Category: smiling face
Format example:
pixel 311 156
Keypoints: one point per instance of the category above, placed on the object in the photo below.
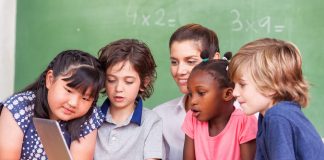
pixel 184 55
pixel 205 96
pixel 250 99
pixel 65 102
pixel 122 85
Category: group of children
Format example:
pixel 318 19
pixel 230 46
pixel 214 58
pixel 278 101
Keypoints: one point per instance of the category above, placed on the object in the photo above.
pixel 264 76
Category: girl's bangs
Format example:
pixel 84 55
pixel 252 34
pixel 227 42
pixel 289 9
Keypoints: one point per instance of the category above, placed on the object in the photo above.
pixel 83 79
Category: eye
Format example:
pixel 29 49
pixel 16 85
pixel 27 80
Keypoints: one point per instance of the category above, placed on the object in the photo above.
pixel 173 62
pixel 241 84
pixel 68 90
pixel 201 93
pixel 192 62
pixel 129 82
pixel 110 80
pixel 87 98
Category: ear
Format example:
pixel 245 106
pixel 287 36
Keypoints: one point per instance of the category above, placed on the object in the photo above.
pixel 270 93
pixel 217 55
pixel 146 82
pixel 227 94
pixel 49 79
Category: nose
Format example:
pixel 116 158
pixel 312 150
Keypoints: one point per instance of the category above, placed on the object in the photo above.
pixel 193 100
pixel 74 100
pixel 183 69
pixel 235 91
pixel 119 87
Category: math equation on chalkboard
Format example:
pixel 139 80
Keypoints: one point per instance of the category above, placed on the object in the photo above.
pixel 159 17
pixel 156 17
pixel 263 24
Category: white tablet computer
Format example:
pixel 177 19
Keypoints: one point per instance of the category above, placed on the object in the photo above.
pixel 52 139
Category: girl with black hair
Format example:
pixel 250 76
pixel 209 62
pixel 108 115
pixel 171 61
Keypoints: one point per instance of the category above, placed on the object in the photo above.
pixel 214 128
pixel 67 91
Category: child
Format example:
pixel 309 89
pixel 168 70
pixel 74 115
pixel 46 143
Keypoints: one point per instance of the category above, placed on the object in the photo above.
pixel 268 79
pixel 185 44
pixel 129 131
pixel 66 91
pixel 214 128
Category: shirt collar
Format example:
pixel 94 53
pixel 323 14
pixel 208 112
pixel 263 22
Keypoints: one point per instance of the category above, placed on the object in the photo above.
pixel 137 115
pixel 181 103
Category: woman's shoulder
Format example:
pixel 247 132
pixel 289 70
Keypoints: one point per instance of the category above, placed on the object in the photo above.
pixel 150 115
pixel 169 105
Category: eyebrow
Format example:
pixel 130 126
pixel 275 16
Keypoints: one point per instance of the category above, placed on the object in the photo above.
pixel 198 57
pixel 129 77
pixel 241 80
pixel 186 57
pixel 87 95
pixel 126 77
pixel 200 86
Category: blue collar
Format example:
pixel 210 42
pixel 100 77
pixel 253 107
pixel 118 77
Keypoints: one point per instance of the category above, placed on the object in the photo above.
pixel 137 115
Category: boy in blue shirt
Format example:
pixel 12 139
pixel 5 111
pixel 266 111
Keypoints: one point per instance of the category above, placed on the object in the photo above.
pixel 268 79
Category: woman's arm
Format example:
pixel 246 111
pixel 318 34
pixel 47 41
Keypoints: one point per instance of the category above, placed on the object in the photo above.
pixel 84 148
pixel 248 150
pixel 11 136
pixel 189 149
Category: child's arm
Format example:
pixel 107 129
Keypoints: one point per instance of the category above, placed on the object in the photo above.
pixel 11 136
pixel 248 150
pixel 84 148
pixel 189 149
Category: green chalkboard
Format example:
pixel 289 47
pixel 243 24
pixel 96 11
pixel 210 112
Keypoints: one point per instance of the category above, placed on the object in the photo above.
pixel 45 28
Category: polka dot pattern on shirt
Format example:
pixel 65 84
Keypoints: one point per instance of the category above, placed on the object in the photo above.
pixel 22 105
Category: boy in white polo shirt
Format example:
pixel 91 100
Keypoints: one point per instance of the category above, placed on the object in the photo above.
pixel 129 130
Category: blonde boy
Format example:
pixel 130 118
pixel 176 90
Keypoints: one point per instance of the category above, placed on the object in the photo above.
pixel 268 79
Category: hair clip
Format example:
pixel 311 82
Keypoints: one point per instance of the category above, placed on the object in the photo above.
pixel 204 56
pixel 205 60
pixel 226 68
pixel 224 58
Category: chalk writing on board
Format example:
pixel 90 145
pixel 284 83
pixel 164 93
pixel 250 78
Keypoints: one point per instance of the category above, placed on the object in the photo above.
pixel 157 18
pixel 263 24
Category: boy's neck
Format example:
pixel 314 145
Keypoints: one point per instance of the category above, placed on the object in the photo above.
pixel 121 115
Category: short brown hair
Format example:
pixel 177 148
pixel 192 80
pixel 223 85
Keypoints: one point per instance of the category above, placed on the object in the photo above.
pixel 274 65
pixel 140 57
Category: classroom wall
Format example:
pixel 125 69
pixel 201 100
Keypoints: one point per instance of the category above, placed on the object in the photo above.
pixel 7 47
pixel 45 28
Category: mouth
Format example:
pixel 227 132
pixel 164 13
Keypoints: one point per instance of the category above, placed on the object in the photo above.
pixel 182 82
pixel 195 112
pixel 118 98
pixel 68 111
